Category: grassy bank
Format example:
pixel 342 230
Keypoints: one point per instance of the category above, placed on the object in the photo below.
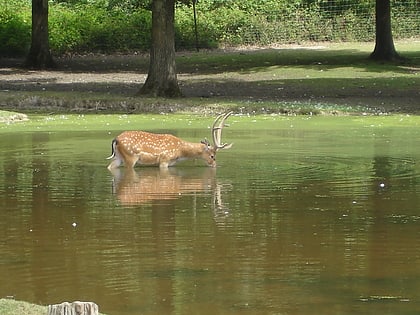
pixel 13 307
pixel 306 79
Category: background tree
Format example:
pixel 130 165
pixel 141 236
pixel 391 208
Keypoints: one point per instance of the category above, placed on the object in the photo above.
pixel 384 47
pixel 39 56
pixel 162 78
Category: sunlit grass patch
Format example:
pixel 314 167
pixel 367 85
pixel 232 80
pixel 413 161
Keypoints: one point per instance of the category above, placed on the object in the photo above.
pixel 11 117
pixel 13 307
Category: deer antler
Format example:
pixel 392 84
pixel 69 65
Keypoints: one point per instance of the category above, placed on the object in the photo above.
pixel 217 129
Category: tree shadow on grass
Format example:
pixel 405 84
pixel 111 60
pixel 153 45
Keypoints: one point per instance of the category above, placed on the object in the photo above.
pixel 214 62
pixel 261 60
pixel 378 93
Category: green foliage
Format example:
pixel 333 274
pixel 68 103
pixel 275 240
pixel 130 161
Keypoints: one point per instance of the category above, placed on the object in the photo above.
pixel 15 29
pixel 214 27
pixel 79 26
pixel 94 28
pixel 64 29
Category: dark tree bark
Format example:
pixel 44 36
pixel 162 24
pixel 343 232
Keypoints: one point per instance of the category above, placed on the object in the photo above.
pixel 384 47
pixel 39 56
pixel 162 79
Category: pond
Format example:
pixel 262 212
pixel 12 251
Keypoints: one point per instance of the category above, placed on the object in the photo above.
pixel 303 215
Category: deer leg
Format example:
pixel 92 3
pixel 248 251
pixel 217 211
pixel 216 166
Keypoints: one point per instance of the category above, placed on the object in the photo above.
pixel 163 165
pixel 131 161
pixel 115 163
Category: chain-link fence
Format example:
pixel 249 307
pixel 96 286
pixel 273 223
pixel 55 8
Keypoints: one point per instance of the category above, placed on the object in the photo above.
pixel 95 27
pixel 322 20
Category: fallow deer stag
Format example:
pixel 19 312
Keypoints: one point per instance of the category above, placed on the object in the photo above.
pixel 145 148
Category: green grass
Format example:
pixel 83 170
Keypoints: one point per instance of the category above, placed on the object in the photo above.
pixel 13 307
pixel 332 61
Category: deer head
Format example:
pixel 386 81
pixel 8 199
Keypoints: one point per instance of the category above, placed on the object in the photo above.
pixel 140 147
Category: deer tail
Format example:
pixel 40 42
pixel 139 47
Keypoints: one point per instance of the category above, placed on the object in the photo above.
pixel 113 145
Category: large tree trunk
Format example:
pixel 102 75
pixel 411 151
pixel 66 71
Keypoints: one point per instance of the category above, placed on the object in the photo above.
pixel 74 308
pixel 384 47
pixel 39 56
pixel 162 80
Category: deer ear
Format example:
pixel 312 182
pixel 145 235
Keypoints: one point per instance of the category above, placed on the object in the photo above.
pixel 206 142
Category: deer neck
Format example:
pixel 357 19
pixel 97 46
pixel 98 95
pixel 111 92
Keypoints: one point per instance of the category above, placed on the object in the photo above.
pixel 190 150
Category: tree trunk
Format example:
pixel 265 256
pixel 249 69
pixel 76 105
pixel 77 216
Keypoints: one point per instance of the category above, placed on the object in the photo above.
pixel 74 308
pixel 39 56
pixel 384 47
pixel 162 80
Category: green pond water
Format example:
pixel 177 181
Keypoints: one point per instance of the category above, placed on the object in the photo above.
pixel 304 215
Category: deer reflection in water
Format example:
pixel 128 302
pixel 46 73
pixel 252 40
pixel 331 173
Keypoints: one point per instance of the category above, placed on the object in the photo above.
pixel 150 185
